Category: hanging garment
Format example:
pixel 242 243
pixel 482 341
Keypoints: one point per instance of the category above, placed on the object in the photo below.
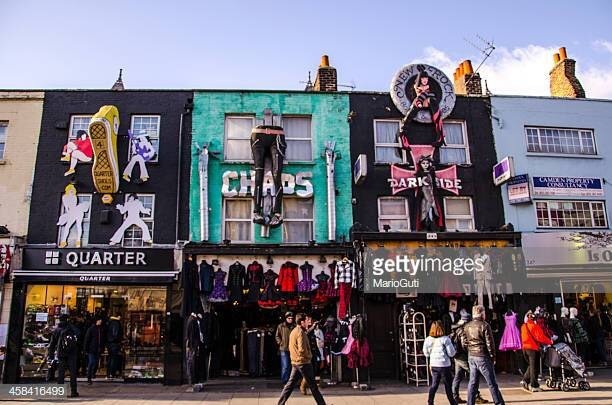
pixel 332 292
pixel 321 296
pixel 207 275
pixel 288 278
pixel 345 273
pixel 320 339
pixel 219 292
pixel 341 338
pixel 511 339
pixel 360 354
pixel 190 284
pixel 255 279
pixel 236 282
pixel 349 341
pixel 345 299
pixel 193 345
pixel 307 284
pixel 269 298
pixel 358 327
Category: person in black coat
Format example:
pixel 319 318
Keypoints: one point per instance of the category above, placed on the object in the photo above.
pixel 66 357
pixel 114 338
pixel 95 340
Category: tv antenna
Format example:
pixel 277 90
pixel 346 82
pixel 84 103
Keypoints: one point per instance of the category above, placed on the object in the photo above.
pixel 351 86
pixel 485 47
pixel 308 84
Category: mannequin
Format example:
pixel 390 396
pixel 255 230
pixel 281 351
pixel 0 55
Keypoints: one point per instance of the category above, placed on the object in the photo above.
pixel 344 282
pixel 578 334
pixel 483 279
pixel 565 326
pixel 307 284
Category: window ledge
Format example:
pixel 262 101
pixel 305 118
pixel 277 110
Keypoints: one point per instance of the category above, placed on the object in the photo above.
pixel 563 155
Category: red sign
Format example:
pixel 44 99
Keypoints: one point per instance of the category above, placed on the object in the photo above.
pixel 403 179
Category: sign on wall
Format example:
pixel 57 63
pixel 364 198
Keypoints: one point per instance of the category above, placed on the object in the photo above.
pixel 360 169
pixel 567 186
pixel 503 170
pixel 298 184
pixel 518 189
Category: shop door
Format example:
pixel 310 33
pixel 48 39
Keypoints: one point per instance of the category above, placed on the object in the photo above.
pixel 382 336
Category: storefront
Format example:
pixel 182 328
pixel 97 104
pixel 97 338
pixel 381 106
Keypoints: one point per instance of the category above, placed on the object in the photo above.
pixel 132 285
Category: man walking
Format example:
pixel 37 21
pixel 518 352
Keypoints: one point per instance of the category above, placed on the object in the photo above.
pixel 462 367
pixel 301 357
pixel 94 346
pixel 282 340
pixel 478 340
pixel 114 337
pixel 64 346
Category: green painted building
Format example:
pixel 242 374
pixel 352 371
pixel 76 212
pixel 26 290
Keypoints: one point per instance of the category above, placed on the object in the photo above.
pixel 222 121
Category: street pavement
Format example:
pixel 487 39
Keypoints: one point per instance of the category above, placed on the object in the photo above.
pixel 242 391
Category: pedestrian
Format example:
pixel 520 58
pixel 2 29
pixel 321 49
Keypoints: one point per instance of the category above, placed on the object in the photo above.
pixel 532 337
pixel 282 340
pixel 480 345
pixel 310 328
pixel 93 344
pixel 439 349
pixel 114 337
pixel 64 347
pixel 462 367
pixel 597 332
pixel 301 365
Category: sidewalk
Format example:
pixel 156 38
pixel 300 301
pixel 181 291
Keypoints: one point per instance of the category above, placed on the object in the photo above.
pixel 265 392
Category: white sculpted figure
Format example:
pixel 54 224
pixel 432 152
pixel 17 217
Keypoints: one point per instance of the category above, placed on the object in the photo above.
pixel 73 215
pixel 133 207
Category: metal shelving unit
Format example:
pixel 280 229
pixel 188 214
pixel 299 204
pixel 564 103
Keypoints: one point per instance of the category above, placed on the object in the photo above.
pixel 412 332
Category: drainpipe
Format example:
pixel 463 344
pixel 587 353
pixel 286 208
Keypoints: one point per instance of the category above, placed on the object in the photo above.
pixel 203 172
pixel 330 159
pixel 178 176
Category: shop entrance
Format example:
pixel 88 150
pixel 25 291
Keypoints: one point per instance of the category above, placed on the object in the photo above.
pixel 140 310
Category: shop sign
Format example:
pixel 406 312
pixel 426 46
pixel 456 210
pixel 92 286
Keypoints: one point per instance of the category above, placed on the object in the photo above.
pixel 518 189
pixel 503 170
pixel 579 250
pixel 98 259
pixel 403 179
pixel 360 169
pixel 567 186
pixel 298 184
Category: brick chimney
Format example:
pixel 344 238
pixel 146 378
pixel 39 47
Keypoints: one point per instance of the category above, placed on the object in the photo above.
pixel 327 79
pixel 563 80
pixel 466 81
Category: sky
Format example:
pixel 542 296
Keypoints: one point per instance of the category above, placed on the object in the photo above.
pixel 190 44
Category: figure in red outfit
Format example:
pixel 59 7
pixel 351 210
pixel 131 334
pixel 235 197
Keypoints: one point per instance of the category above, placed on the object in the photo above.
pixel 76 151
pixel 429 213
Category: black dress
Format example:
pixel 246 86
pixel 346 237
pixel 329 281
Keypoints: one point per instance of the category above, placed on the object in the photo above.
pixel 236 282
pixel 255 278
pixel 206 278
pixel 270 297
pixel 190 284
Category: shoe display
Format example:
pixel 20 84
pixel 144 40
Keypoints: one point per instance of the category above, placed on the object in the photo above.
pixel 69 172
pixel 276 220
pixel 103 129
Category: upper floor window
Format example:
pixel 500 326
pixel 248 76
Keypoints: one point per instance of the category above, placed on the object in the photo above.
pixel 146 125
pixel 386 147
pixel 298 135
pixel 69 233
pixel 393 214
pixel 237 219
pixel 298 221
pixel 456 150
pixel 133 236
pixel 3 130
pixel 238 138
pixel 571 214
pixel 459 214
pixel 559 140
pixel 78 123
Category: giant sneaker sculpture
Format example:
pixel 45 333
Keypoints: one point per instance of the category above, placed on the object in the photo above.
pixel 103 129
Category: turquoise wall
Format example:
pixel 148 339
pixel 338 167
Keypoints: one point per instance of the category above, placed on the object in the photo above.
pixel 329 113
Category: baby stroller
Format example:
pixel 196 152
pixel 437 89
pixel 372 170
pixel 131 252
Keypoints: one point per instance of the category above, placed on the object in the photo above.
pixel 566 369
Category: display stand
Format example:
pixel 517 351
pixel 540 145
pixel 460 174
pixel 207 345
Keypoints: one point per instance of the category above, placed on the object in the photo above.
pixel 412 336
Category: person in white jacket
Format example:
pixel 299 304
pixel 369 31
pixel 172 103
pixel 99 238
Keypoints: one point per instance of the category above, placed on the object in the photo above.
pixel 439 350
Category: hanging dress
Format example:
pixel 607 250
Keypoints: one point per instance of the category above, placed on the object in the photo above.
pixel 269 298
pixel 320 296
pixel 332 292
pixel 219 292
pixel 511 339
pixel 236 282
pixel 255 279
pixel 307 284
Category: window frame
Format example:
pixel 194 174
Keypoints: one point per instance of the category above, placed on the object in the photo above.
pixel 250 220
pixel 404 157
pixel 150 219
pixel 226 137
pixel 540 147
pixel 287 140
pixel 466 144
pixel 150 139
pixel 86 219
pixel 4 124
pixel 393 217
pixel 550 219
pixel 458 217
pixel 311 221
pixel 71 125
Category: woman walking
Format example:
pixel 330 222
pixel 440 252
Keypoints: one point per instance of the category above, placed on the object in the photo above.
pixel 439 349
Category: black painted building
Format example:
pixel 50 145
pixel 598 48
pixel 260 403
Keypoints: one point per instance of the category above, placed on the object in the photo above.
pixel 114 269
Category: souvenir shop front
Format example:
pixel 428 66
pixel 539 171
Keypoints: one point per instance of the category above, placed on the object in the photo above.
pixel 239 295
pixel 131 285
pixel 397 334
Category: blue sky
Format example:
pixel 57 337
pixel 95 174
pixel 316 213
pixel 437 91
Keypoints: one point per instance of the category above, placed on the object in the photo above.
pixel 273 44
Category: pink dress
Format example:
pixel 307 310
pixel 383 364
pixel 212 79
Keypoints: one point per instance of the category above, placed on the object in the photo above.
pixel 511 339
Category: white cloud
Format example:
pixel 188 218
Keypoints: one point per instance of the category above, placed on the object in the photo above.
pixel 603 45
pixel 525 71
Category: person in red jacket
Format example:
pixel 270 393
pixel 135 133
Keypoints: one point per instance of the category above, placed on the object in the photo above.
pixel 532 337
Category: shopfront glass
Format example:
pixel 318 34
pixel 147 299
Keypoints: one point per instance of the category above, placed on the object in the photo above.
pixel 141 311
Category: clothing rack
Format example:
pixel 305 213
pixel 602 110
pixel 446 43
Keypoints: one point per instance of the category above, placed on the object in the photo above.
pixel 413 330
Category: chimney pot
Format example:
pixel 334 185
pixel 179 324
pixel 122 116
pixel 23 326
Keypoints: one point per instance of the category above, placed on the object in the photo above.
pixel 556 58
pixel 563 53
pixel 468 67
pixel 461 70
pixel 324 61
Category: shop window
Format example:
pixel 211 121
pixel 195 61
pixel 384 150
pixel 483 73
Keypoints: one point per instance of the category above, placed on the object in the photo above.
pixel 77 123
pixel 386 147
pixel 298 220
pixel 393 214
pixel 459 214
pixel 3 130
pixel 571 214
pixel 237 221
pixel 149 126
pixel 72 236
pixel 133 235
pixel 238 138
pixel 561 140
pixel 456 150
pixel 298 135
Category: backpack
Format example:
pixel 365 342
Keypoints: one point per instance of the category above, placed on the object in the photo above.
pixel 67 343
